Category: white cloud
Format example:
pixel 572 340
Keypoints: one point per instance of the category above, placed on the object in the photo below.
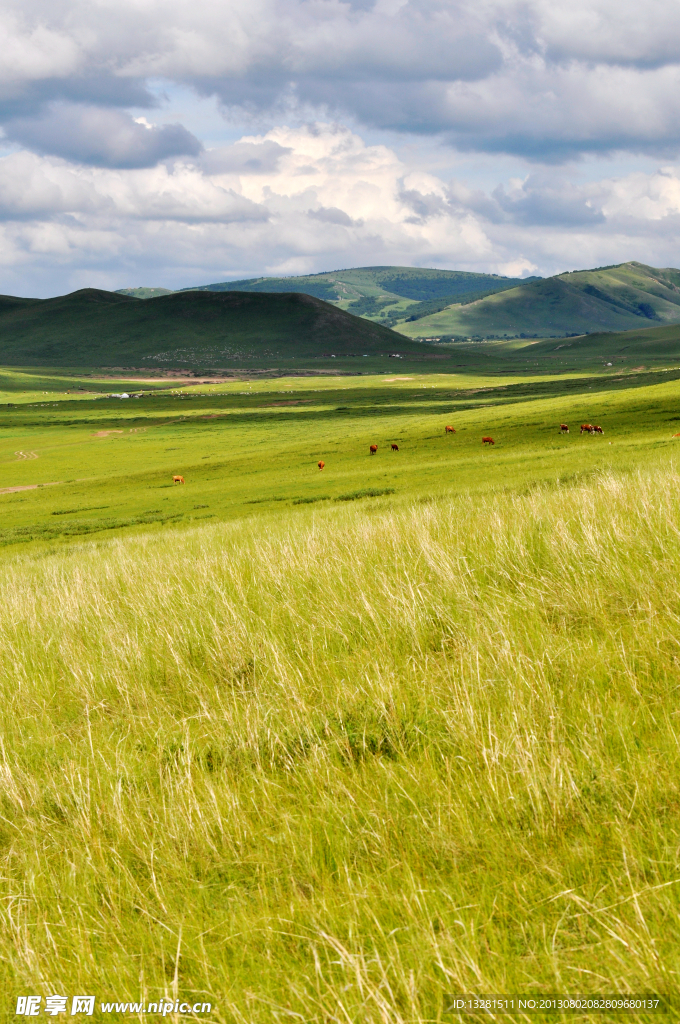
pixel 311 198
pixel 104 186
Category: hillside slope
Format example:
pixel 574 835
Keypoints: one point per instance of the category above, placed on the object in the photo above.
pixel 651 347
pixel 144 293
pixel 187 329
pixel 378 293
pixel 619 298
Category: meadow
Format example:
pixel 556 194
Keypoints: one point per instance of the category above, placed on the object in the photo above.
pixel 90 464
pixel 326 746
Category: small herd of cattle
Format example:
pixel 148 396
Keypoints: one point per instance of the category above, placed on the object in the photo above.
pixel 586 428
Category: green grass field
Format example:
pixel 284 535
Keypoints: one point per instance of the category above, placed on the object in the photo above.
pixel 250 446
pixel 324 746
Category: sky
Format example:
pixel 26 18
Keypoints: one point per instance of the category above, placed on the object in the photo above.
pixel 169 143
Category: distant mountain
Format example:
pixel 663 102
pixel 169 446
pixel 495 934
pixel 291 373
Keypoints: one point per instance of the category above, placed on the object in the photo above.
pixel 383 294
pixel 193 329
pixel 274 321
pixel 625 297
pixel 144 293
pixel 440 304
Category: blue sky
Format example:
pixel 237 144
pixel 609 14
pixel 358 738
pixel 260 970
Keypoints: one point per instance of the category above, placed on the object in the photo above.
pixel 159 142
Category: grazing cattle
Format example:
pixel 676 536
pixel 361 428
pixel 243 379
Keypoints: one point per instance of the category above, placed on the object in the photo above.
pixel 321 464
pixel 586 428
pixel 178 479
pixel 597 430
pixel 488 440
pixel 449 430
pixel 676 435
pixel 373 449
pixel 564 429
pixel 395 447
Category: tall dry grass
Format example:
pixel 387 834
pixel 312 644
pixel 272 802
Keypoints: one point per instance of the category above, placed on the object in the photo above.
pixel 331 771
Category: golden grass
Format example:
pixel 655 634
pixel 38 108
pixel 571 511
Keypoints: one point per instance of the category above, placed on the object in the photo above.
pixel 328 766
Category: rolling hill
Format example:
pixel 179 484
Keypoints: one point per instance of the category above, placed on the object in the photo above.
pixel 440 304
pixel 653 346
pixel 184 329
pixel 619 298
pixel 384 294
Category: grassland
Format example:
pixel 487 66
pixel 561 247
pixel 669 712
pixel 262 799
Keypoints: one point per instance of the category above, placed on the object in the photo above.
pixel 324 746
pixel 247 446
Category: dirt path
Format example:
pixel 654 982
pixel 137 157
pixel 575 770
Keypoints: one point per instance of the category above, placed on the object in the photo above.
pixel 29 487
pixel 173 381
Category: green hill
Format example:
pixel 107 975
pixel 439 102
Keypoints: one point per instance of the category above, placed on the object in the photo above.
pixel 144 293
pixel 433 304
pixel 386 294
pixel 619 298
pixel 652 347
pixel 186 329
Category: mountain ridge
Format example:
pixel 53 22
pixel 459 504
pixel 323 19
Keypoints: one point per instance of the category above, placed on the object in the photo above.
pixel 383 294
pixel 431 304
pixel 625 296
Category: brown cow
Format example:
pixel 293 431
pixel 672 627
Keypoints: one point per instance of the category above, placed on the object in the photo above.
pixel 597 430
pixel 373 449
pixel 488 440
pixel 449 430
pixel 395 447
pixel 564 429
pixel 586 428
pixel 178 479
pixel 321 464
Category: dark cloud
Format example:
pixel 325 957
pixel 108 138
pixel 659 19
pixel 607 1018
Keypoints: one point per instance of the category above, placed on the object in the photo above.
pixel 424 205
pixel 98 88
pixel 548 202
pixel 539 201
pixel 244 158
pixel 100 137
pixel 530 77
pixel 332 215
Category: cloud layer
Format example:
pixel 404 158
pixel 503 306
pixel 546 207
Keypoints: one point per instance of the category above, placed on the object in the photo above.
pixel 529 77
pixel 102 137
pixel 91 190
pixel 297 200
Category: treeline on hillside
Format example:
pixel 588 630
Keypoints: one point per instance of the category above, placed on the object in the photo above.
pixel 445 284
